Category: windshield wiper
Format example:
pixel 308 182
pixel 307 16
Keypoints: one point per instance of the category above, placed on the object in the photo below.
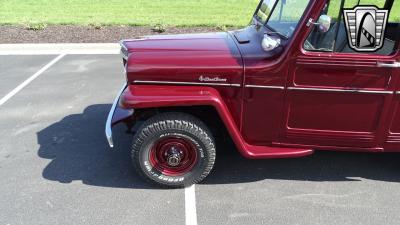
pixel 278 33
pixel 273 31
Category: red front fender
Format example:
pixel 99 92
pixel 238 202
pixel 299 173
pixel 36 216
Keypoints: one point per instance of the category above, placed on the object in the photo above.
pixel 156 96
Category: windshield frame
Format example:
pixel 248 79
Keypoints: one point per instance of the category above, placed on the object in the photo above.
pixel 265 24
pixel 255 17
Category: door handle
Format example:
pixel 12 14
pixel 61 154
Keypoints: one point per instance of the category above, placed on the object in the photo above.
pixel 389 65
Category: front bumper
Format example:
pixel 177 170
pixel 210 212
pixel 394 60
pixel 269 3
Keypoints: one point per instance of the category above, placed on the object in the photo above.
pixel 116 114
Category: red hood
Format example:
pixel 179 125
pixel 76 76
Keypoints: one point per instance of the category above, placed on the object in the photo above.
pixel 207 58
pixel 182 42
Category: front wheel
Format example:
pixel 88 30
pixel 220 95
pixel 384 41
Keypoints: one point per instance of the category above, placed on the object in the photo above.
pixel 173 149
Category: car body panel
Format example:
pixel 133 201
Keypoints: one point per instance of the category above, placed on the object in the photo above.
pixel 274 104
pixel 391 135
pixel 189 60
pixel 338 100
pixel 156 96
pixel 343 106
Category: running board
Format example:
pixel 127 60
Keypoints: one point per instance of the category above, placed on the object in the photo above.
pixel 265 152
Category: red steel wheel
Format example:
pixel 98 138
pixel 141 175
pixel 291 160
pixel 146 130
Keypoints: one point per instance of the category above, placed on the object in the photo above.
pixel 173 156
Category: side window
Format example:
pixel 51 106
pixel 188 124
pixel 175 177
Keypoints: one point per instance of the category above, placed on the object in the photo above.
pixel 352 3
pixel 324 42
pixel 393 27
pixel 389 43
pixel 394 16
pixel 338 42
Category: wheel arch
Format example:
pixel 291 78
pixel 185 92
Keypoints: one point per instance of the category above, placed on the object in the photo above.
pixel 205 113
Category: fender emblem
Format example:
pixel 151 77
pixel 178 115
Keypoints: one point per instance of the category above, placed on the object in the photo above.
pixel 214 79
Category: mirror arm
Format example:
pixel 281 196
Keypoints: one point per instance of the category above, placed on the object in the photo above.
pixel 311 21
pixel 324 23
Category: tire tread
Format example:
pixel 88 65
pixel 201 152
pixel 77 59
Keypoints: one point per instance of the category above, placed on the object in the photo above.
pixel 174 121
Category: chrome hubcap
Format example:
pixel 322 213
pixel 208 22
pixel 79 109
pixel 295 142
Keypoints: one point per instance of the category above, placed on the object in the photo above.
pixel 174 157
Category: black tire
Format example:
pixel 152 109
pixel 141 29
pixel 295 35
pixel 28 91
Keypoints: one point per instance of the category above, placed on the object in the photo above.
pixel 173 125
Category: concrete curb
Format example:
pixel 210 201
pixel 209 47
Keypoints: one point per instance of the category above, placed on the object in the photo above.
pixel 57 49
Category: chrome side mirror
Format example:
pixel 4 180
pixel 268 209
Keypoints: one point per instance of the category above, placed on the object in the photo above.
pixel 269 43
pixel 324 23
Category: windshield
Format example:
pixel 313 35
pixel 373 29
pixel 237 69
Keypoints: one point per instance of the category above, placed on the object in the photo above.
pixel 265 10
pixel 281 16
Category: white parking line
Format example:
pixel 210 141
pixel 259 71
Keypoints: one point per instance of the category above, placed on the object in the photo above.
pixel 29 80
pixel 190 205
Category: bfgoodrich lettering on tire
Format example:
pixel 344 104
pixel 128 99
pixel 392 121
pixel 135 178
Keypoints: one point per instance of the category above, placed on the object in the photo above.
pixel 173 149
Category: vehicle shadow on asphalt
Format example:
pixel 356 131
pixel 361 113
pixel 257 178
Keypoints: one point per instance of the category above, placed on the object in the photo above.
pixel 231 167
pixel 78 151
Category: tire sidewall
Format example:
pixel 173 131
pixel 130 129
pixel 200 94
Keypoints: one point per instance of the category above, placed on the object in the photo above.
pixel 187 178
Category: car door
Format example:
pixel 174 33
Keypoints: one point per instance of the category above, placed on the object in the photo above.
pixel 392 136
pixel 337 96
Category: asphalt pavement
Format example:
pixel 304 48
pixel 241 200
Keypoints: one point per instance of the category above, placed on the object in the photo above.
pixel 56 166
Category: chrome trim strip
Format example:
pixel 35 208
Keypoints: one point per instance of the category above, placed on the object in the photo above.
pixel 108 128
pixel 121 43
pixel 185 83
pixel 397 92
pixel 265 87
pixel 121 52
pixel 389 65
pixel 123 55
pixel 340 90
